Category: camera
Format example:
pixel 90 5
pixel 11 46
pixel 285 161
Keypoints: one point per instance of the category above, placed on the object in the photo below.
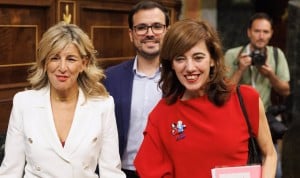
pixel 258 57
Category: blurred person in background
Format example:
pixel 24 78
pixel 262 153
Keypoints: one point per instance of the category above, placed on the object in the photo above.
pixel 255 64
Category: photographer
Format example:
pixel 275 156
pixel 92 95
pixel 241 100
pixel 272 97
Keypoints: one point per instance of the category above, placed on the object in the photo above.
pixel 260 65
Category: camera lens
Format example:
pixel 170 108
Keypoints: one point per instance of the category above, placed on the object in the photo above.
pixel 258 58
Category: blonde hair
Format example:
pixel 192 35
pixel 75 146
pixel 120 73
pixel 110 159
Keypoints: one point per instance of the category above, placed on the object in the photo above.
pixel 53 41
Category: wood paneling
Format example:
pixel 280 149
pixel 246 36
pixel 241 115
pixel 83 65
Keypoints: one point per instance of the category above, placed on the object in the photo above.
pixel 14 40
pixel 108 29
pixel 22 24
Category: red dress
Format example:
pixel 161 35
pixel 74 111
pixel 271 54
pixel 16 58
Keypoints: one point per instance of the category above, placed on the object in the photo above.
pixel 211 136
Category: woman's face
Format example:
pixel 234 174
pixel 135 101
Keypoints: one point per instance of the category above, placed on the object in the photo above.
pixel 192 69
pixel 63 69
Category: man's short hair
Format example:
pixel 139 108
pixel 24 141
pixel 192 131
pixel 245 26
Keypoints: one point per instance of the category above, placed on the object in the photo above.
pixel 260 15
pixel 145 5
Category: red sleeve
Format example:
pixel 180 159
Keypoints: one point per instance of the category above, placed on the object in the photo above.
pixel 251 100
pixel 152 160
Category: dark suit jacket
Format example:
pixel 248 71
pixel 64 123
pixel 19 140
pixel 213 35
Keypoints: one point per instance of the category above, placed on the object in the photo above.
pixel 118 82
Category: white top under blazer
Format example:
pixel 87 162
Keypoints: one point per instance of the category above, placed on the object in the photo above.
pixel 32 141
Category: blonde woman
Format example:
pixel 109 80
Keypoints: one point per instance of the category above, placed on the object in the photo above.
pixel 65 125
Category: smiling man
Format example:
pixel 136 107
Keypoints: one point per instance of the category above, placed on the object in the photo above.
pixel 134 83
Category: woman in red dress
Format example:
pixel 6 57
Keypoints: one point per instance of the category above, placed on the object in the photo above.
pixel 199 124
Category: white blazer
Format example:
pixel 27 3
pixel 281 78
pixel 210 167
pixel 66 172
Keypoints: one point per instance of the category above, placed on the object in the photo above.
pixel 32 140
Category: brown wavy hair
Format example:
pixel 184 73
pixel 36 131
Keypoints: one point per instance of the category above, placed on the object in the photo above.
pixel 180 38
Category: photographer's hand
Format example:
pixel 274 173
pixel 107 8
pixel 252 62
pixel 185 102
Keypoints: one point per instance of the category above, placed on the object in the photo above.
pixel 244 62
pixel 266 70
pixel 280 86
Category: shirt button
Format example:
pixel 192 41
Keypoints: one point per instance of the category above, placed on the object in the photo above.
pixel 85 166
pixel 95 139
pixel 38 168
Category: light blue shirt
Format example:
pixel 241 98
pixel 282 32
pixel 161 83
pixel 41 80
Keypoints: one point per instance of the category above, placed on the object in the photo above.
pixel 145 95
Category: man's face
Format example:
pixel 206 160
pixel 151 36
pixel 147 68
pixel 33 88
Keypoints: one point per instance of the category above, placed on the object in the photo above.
pixel 148 45
pixel 260 33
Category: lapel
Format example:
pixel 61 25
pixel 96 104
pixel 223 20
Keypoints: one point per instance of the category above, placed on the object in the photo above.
pixel 119 84
pixel 80 126
pixel 127 91
pixel 126 94
pixel 46 122
pixel 78 129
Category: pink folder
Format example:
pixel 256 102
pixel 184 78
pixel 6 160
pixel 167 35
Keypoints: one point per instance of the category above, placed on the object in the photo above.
pixel 250 171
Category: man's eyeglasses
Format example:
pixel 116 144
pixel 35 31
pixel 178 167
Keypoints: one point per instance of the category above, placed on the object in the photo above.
pixel 156 28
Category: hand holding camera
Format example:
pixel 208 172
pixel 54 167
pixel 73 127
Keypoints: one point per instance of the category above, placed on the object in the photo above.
pixel 258 57
pixel 244 61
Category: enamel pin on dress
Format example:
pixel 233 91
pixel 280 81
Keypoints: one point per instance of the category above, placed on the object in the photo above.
pixel 178 130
